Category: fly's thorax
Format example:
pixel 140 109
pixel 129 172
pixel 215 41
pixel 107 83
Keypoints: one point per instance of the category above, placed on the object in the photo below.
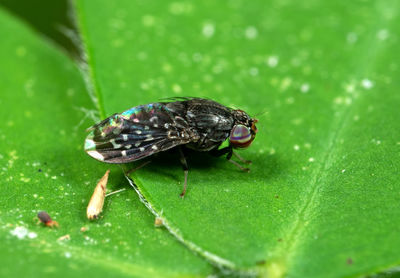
pixel 241 117
pixel 243 131
pixel 208 118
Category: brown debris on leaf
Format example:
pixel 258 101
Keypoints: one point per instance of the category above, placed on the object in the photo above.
pixel 96 203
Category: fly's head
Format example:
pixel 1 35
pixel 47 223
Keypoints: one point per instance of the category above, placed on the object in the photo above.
pixel 244 130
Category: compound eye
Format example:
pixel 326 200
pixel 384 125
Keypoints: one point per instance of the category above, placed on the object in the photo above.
pixel 240 136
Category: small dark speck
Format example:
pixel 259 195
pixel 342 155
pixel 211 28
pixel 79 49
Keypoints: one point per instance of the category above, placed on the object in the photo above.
pixel 280 240
pixel 45 163
pixel 44 216
pixel 261 262
pixel 276 197
pixel 349 261
pixel 39 170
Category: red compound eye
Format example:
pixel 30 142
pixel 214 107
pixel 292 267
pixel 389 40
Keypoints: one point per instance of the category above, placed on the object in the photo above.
pixel 241 136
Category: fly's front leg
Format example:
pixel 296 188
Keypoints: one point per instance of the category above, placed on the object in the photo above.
pixel 229 151
pixel 229 158
pixel 242 159
pixel 185 170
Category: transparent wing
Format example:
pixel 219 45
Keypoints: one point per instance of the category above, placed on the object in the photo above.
pixel 136 133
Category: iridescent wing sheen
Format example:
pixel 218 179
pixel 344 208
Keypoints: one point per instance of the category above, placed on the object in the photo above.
pixel 136 133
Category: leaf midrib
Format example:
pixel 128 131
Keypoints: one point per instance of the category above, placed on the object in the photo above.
pixel 117 266
pixel 283 255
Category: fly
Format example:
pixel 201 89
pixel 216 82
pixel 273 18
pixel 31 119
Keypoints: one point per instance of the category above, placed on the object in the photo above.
pixel 195 123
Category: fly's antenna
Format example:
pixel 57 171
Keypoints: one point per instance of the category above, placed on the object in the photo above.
pixel 263 112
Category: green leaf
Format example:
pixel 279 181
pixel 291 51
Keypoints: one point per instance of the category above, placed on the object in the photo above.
pixel 322 197
pixel 44 112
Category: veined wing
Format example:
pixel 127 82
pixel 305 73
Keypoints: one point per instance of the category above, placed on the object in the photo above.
pixel 137 133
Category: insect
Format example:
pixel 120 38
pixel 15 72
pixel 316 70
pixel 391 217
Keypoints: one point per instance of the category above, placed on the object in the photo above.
pixel 194 123
pixel 45 218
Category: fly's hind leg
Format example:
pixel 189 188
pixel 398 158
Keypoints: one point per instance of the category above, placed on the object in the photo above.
pixel 128 172
pixel 185 170
pixel 229 151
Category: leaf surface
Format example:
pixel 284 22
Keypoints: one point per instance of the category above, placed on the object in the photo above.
pixel 45 110
pixel 323 193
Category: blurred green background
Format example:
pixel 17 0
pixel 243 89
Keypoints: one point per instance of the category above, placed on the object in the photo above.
pixel 51 19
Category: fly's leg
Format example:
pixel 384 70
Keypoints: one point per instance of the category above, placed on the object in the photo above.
pixel 221 152
pixel 127 173
pixel 229 158
pixel 242 159
pixel 229 151
pixel 185 170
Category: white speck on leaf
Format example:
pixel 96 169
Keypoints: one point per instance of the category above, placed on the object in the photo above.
pixel 142 56
pixel 148 20
pixel 305 88
pixel 144 86
pixel 272 61
pixel 286 82
pixel 117 43
pixel 208 30
pixel 367 84
pixel 351 37
pixel 176 88
pixel 253 71
pixel 32 235
pixel 22 232
pixel 382 34
pixel 167 67
pixel 251 32
pixel 375 141
pixel 297 121
pixel 29 87
pixel 23 179
pixel 343 100
pixel 350 87
pixel 348 100
pixel 197 57
pixel 117 23
pixel 290 100
pixel 178 8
